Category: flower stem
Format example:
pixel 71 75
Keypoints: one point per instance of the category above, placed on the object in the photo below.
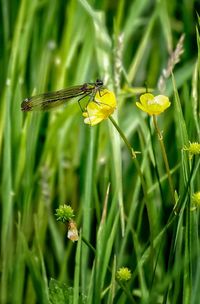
pixel 164 154
pixel 124 287
pixel 133 155
pixel 142 180
pixel 131 151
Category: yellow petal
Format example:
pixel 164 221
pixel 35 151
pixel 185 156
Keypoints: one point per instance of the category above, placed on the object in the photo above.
pixel 153 105
pixel 92 121
pixel 140 106
pixel 145 98
pixel 103 106
pixel 106 98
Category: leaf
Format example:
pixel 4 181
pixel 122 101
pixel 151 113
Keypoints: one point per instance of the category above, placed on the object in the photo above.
pixel 60 293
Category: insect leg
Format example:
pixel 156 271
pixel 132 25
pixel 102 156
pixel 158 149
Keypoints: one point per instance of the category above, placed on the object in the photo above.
pixel 101 95
pixel 86 94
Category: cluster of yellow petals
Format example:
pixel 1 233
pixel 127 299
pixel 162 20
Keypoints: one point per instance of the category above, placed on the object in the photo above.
pixel 123 274
pixel 153 105
pixel 193 148
pixel 103 105
pixel 196 199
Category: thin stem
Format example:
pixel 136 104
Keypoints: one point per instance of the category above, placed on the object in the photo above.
pixel 124 287
pixel 164 154
pixel 142 180
pixel 131 151
pixel 133 155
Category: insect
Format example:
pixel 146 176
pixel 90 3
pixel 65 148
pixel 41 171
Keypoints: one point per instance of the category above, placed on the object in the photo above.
pixel 47 101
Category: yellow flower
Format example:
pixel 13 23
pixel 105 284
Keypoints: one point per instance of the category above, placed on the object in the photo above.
pixel 196 199
pixel 153 105
pixel 193 149
pixel 102 107
pixel 123 274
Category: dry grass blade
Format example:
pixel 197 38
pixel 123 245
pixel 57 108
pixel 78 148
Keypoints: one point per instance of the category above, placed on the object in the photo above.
pixel 172 61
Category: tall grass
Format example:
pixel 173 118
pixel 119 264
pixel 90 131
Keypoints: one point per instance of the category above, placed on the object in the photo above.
pixel 48 159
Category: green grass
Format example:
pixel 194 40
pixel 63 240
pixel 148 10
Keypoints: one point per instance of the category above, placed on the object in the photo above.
pixel 124 208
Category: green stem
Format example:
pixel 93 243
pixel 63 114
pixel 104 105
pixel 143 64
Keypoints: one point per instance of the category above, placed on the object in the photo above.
pixel 133 155
pixel 164 154
pixel 142 180
pixel 124 287
pixel 131 151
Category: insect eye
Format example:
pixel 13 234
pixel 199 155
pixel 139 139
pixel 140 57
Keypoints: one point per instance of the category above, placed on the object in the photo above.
pixel 99 82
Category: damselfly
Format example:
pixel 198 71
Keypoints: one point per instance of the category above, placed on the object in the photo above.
pixel 47 101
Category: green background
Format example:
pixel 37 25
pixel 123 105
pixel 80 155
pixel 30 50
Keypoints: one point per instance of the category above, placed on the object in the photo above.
pixel 48 159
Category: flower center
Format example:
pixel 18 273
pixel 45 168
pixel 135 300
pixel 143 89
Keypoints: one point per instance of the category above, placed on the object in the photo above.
pixel 155 100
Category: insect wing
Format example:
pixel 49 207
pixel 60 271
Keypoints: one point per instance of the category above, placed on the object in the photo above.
pixel 47 101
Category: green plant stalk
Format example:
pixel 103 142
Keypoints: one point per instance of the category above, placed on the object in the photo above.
pixel 164 154
pixel 133 156
pixel 130 149
pixel 123 286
